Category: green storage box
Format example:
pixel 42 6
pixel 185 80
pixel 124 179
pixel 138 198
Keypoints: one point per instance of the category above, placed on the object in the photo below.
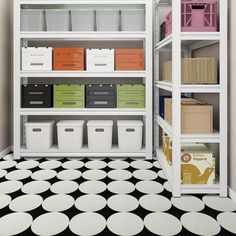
pixel 69 96
pixel 131 96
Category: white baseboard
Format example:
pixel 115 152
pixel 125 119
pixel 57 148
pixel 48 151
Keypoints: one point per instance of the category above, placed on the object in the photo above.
pixel 232 194
pixel 5 152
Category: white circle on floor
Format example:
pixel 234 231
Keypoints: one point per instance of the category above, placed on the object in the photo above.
pixel 33 158
pixel 50 165
pixel 119 174
pixel 18 175
pixel 157 164
pixel 50 224
pixel 27 165
pixel 75 158
pixel 90 203
pixel 2 173
pixel 149 187
pixel 10 186
pixel 94 174
pixel 36 187
pixel 141 164
pixel 26 203
pixel 8 157
pixel 44 174
pixel 15 223
pixel 162 174
pixel 200 224
pixel 219 204
pixel 64 187
pixel 167 186
pixel 118 164
pixel 121 187
pixel 188 203
pixel 58 203
pixel 73 165
pixel 4 200
pixel 92 187
pixel 117 158
pixel 155 203
pixel 54 158
pixel 87 224
pixel 95 164
pixel 122 203
pixel 227 221
pixel 69 175
pixel 96 158
pixel 7 164
pixel 161 223
pixel 145 174
pixel 124 223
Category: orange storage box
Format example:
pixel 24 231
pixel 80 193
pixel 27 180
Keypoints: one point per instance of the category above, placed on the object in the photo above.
pixel 129 59
pixel 69 58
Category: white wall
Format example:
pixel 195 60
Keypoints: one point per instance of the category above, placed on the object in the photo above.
pixel 5 74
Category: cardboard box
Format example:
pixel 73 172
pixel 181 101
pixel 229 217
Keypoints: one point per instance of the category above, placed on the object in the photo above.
pixel 69 58
pixel 196 116
pixel 129 59
pixel 167 148
pixel 197 165
pixel 194 71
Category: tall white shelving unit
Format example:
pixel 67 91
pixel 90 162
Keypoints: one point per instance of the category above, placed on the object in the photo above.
pixel 23 39
pixel 180 43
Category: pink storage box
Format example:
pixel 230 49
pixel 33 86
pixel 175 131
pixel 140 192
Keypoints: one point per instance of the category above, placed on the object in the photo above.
pixel 196 16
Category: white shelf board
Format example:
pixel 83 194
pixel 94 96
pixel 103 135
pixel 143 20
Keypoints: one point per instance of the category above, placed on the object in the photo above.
pixel 88 36
pixel 190 88
pixel 81 2
pixel 191 39
pixel 83 74
pixel 163 3
pixel 164 125
pixel 165 165
pixel 84 152
pixel 200 189
pixel 82 112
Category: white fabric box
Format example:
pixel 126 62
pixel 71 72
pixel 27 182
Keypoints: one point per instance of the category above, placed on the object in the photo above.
pixel 107 19
pixel 133 20
pixel 57 20
pixel 70 134
pixel 82 19
pixel 101 60
pixel 32 20
pixel 39 135
pixel 36 59
pixel 100 134
pixel 130 135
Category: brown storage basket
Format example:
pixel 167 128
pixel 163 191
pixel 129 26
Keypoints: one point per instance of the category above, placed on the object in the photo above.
pixel 193 71
pixel 196 116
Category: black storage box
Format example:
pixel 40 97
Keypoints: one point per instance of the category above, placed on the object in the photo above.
pixel 37 96
pixel 163 31
pixel 100 96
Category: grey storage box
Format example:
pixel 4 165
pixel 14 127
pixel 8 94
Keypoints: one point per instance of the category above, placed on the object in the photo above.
pixel 83 19
pixel 108 19
pixel 32 20
pixel 133 20
pixel 101 96
pixel 58 20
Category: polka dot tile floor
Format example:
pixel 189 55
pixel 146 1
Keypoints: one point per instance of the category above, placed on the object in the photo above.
pixel 105 196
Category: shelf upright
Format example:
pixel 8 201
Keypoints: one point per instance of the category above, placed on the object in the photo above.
pixel 23 38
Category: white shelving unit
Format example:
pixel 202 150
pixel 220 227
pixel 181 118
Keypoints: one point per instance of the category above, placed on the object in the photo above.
pixel 22 39
pixel 180 43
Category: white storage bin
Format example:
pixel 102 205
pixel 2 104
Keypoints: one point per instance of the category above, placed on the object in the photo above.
pixel 100 134
pixel 39 135
pixel 101 60
pixel 133 20
pixel 70 134
pixel 36 59
pixel 82 19
pixel 107 19
pixel 57 20
pixel 32 20
pixel 130 135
